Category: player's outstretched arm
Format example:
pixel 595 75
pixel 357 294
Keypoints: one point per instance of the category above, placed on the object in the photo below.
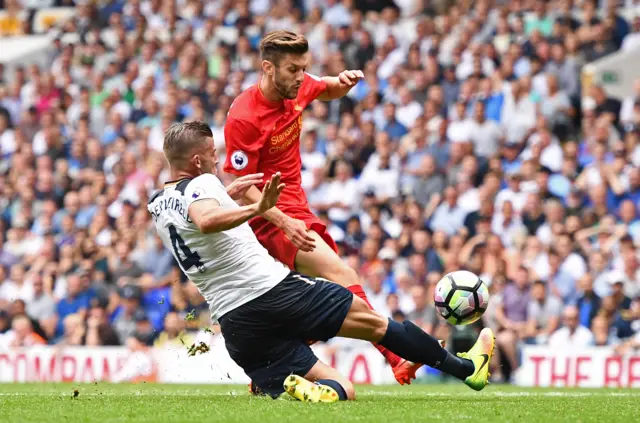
pixel 237 190
pixel 339 86
pixel 294 229
pixel 209 217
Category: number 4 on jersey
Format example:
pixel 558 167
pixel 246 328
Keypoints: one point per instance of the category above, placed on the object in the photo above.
pixel 180 249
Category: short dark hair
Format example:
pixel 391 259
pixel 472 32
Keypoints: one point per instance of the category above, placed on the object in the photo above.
pixel 626 239
pixel 180 139
pixel 540 282
pixel 278 43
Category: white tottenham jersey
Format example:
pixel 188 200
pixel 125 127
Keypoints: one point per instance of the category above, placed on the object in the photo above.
pixel 230 268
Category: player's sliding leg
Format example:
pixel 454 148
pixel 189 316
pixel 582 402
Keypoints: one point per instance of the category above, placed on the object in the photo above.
pixel 412 343
pixel 323 262
pixel 322 384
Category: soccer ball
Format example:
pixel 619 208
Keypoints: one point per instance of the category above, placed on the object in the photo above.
pixel 461 297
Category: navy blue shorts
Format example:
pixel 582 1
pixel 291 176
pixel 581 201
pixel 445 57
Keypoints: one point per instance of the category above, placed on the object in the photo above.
pixel 268 336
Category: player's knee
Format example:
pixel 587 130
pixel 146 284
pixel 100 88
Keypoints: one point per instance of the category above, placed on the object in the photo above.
pixel 339 272
pixel 349 389
pixel 346 276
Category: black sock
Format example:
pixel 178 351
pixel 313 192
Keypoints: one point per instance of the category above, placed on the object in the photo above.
pixel 342 394
pixel 456 366
pixel 412 343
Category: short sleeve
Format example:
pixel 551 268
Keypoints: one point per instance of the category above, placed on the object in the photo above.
pixel 311 88
pixel 555 310
pixel 242 140
pixel 204 187
pixel 532 312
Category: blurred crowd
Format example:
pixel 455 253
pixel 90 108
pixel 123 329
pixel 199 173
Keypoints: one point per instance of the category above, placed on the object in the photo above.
pixel 470 143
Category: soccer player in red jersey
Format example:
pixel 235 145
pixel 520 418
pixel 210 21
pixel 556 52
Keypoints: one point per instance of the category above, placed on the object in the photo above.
pixel 262 135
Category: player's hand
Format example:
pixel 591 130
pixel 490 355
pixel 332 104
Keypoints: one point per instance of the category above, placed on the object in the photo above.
pixel 238 188
pixel 296 231
pixel 270 193
pixel 350 77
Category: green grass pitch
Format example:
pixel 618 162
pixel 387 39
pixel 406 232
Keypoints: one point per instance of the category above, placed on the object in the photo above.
pixel 102 403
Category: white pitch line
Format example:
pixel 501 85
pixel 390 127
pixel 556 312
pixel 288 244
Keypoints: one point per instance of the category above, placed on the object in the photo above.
pixel 200 393
pixel 118 394
pixel 566 394
pixel 500 394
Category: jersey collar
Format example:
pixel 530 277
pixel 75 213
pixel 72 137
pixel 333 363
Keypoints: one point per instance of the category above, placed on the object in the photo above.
pixel 174 182
pixel 260 98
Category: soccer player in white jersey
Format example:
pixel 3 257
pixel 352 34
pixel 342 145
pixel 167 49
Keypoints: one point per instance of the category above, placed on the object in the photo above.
pixel 265 311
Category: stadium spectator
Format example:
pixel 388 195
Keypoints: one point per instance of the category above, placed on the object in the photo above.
pixel 402 287
pixel 173 334
pixel 449 216
pixel 153 259
pixel 23 333
pixel 424 313
pixel 543 313
pixel 375 290
pixel 124 319
pixel 121 266
pixel 143 331
pixel 99 330
pixel 632 343
pixel 588 302
pixel 18 308
pixel 342 195
pixel 617 293
pixel 42 306
pixel 572 334
pixel 76 301
pixel 74 331
pixel 602 335
pixel 511 315
pixel 6 334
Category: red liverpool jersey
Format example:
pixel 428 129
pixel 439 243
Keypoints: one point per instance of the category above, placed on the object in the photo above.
pixel 264 137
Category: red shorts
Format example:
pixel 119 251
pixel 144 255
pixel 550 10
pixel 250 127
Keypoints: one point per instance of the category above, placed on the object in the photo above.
pixel 278 245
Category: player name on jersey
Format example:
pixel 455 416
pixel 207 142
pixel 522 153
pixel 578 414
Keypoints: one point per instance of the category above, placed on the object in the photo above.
pixel 169 203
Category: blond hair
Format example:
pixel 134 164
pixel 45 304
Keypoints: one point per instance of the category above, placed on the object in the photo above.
pixel 181 139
